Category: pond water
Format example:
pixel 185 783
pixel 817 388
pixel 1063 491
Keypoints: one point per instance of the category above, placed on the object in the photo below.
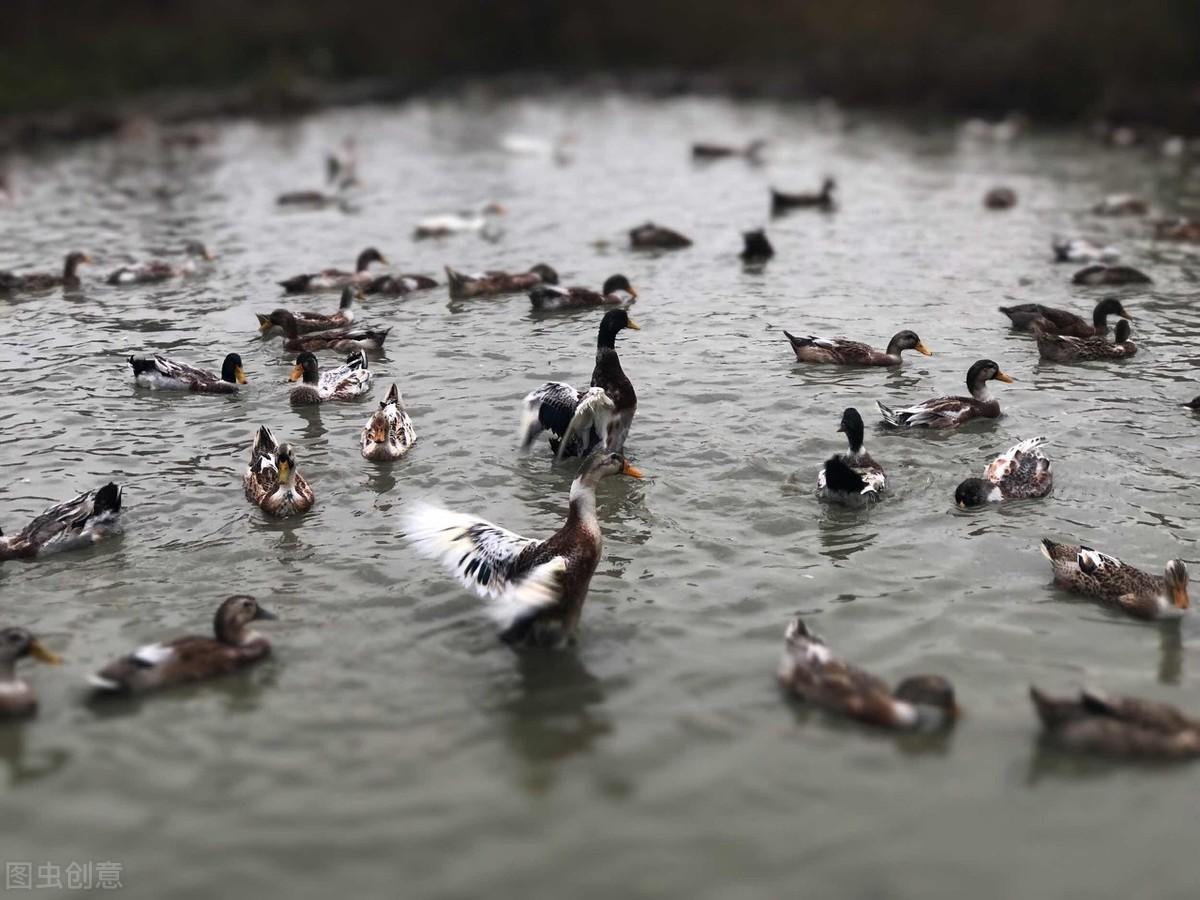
pixel 391 747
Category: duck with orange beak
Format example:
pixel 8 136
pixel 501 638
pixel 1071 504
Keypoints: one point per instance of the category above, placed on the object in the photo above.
pixel 389 432
pixel 950 412
pixel 17 698
pixel 1083 570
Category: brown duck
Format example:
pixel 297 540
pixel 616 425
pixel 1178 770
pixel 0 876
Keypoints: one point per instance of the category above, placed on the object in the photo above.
pixel 44 281
pixel 552 298
pixel 1082 570
pixel 1027 316
pixel 844 352
pixel 335 279
pixel 782 201
pixel 654 237
pixel 492 284
pixel 1117 727
pixel 308 322
pixel 17 698
pixel 1057 348
pixel 1100 274
pixel 334 339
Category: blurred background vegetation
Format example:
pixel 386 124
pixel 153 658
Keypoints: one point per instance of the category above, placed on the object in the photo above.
pixel 1072 59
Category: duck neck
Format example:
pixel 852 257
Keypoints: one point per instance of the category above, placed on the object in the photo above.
pixel 583 504
pixel 979 390
pixel 606 339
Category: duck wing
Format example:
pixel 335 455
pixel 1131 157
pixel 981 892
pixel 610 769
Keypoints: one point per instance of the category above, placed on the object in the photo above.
pixel 942 412
pixel 1022 467
pixel 65 522
pixel 550 407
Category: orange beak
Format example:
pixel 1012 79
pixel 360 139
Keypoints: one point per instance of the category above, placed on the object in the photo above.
pixel 1180 596
pixel 378 436
pixel 922 349
pixel 1007 379
pixel 632 472
pixel 42 653
pixel 239 375
pixel 297 373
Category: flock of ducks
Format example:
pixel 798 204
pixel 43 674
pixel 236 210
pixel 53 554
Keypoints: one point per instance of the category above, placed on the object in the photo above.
pixel 534 590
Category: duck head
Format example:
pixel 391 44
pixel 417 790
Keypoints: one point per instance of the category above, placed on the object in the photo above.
pixel 234 616
pixel 1110 306
pixel 932 696
pixel 980 374
pixel 306 368
pixel 601 465
pixel 1176 578
pixel 907 340
pixel 285 465
pixel 544 272
pixel 231 370
pixel 197 250
pixel 17 643
pixel 975 492
pixel 74 260
pixel 368 256
pixel 350 293
pixel 616 284
pixel 852 427
pixel 1122 333
pixel 614 321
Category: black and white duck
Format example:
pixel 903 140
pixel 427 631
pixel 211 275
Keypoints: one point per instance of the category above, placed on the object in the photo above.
pixel 482 220
pixel 272 482
pixel 79 522
pixel 272 323
pixel 1081 250
pixel 1116 727
pixel 782 202
pixel 1052 320
pixel 335 279
pixel 1058 348
pixel 854 477
pixel 163 374
pixel 17 697
pixel 389 432
pixel 1082 570
pixel 534 589
pixel 492 284
pixel 950 412
pixel 844 352
pixel 157 270
pixel 1020 473
pixel 552 298
pixel 13 282
pixel 348 381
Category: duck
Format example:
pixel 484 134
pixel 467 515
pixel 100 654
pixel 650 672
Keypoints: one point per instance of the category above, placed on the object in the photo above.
pixel 603 413
pixel 1020 473
pixel 348 381
pixel 755 247
pixel 552 298
pixel 1181 229
pixel 335 279
pixel 852 478
pixel 708 151
pixel 158 270
pixel 234 646
pixel 44 281
pixel 1083 570
pixel 1025 316
pixel 535 589
pixel 389 432
pixel 558 149
pixel 654 237
pixel 307 322
pixel 1099 274
pixel 810 672
pixel 395 285
pixel 271 480
pixel 844 352
pixel 1193 404
pixel 82 521
pixel 1117 727
pixel 491 284
pixel 17 697
pixel 1059 348
pixel 316 199
pixel 1121 205
pixel 1000 198
pixel 950 412
pixel 163 374
pixel 1080 250
pixel 448 224
pixel 782 201
pixel 334 339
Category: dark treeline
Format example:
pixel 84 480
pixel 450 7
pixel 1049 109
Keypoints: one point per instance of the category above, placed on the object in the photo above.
pixel 1051 58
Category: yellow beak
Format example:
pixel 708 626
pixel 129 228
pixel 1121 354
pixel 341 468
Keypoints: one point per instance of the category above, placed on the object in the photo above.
pixel 44 654
pixel 632 324
pixel 632 472
pixel 239 375
pixel 1007 379
pixel 86 259
pixel 1180 598
pixel 922 349
pixel 378 436
pixel 297 373
pixel 284 470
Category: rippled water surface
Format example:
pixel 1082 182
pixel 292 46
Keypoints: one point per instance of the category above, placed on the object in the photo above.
pixel 392 747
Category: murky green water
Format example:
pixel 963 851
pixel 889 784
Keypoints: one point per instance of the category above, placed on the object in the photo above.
pixel 392 747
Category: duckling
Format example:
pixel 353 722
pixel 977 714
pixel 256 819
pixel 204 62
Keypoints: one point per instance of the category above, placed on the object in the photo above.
pixel 1057 348
pixel 395 285
pixel 183 660
pixel 43 281
pixel 1116 727
pixel 1178 230
pixel 271 480
pixel 1025 316
pixel 334 339
pixel 823 199
pixel 1121 205
pixel 490 284
pixel 448 224
pixel 1000 198
pixel 1082 570
pixel 80 522
pixel 1079 250
pixel 653 237
pixel 853 478
pixel 1099 274
pixel 810 671
pixel 17 698
pixel 709 151
pixel 756 249
pixel 602 415
pixel 552 298
pixel 163 374
pixel 534 589
pixel 335 279
pixel 1021 472
pixel 389 432
pixel 157 270
pixel 348 381
pixel 843 352
pixel 950 412
pixel 308 322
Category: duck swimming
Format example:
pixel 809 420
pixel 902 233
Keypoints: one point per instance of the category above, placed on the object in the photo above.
pixel 1025 316
pixel 1082 570
pixel 1057 348
pixel 1078 250
pixel 17 697
pixel 1178 230
pixel 334 339
pixel 389 432
pixel 1021 472
pixel 157 270
pixel 308 322
pixel 348 381
pixel 335 279
pixel 1000 198
pixel 448 224
pixel 233 647
pixel 271 481
pixel 395 285
pixel 756 248
pixel 708 151
pixel 843 352
pixel 852 478
pixel 491 284
pixel 80 522
pixel 162 374
pixel 11 282
pixel 1121 205
pixel 552 298
pixel 579 421
pixel 534 589
pixel 1099 274
pixel 1116 727
pixel 810 672
pixel 950 412
pixel 654 237
pixel 781 201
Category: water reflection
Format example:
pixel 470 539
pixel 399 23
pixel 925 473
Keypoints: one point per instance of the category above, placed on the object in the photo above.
pixel 24 767
pixel 1170 653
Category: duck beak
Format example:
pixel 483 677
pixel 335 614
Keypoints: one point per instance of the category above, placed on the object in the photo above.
pixel 283 469
pixel 86 259
pixel 265 614
pixel 209 257
pixel 42 653
pixel 632 472
pixel 378 436
pixel 360 294
pixel 297 373
pixel 841 429
pixel 632 292
pixel 1007 379
pixel 632 324
pixel 1179 596
pixel 264 322
pixel 1126 315
pixel 239 375
pixel 922 349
